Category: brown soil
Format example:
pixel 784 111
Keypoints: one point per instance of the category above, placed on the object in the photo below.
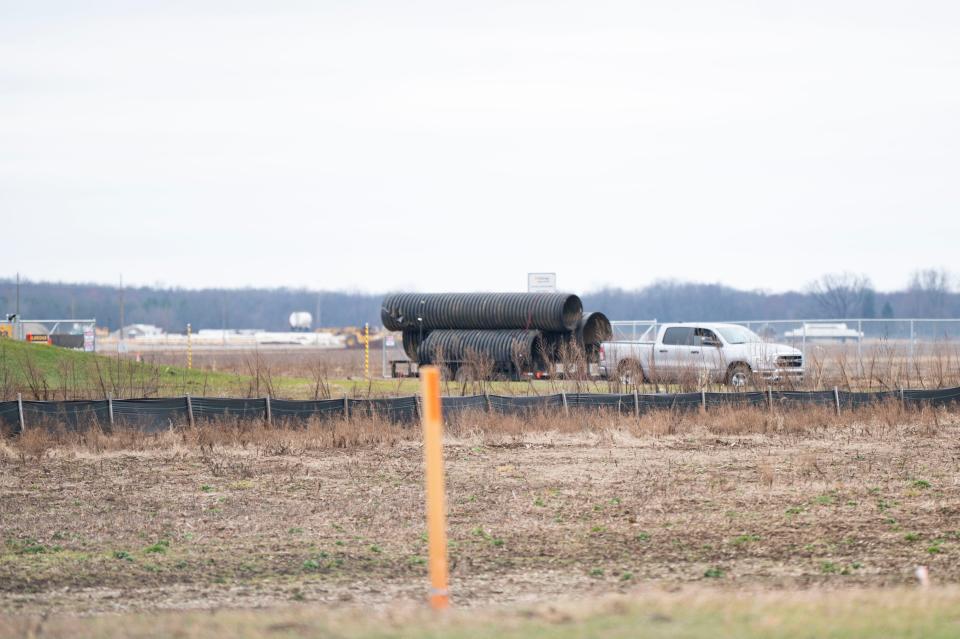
pixel 187 520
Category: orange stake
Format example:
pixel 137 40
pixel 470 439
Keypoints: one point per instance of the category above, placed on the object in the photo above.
pixel 436 493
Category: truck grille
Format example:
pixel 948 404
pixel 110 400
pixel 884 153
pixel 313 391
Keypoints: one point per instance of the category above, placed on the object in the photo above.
pixel 790 361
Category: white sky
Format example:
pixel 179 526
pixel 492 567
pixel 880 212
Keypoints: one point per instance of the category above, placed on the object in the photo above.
pixel 456 146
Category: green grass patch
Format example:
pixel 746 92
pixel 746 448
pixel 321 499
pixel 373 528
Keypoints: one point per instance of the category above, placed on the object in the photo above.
pixel 159 548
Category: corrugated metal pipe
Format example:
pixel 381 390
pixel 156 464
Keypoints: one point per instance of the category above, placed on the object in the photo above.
pixel 477 311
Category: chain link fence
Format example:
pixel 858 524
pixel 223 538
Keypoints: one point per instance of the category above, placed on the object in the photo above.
pixel 68 333
pixel 867 353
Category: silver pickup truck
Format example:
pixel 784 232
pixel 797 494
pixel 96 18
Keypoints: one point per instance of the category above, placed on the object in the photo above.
pixel 700 353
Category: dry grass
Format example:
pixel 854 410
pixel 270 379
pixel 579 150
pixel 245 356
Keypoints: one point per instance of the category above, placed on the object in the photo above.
pixel 650 613
pixel 239 514
pixel 884 365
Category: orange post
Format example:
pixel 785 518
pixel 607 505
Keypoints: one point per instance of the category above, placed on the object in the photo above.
pixel 436 492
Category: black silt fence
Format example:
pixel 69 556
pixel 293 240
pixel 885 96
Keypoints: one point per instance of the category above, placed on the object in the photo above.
pixel 149 414
pixel 523 404
pixel 9 418
pixel 788 399
pixel 454 407
pixel 287 410
pixel 70 415
pixel 399 410
pixel 748 399
pixel 939 397
pixel 219 408
pixel 157 414
pixel 601 401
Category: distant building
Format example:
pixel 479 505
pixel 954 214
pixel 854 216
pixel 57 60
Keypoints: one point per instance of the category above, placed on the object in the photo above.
pixel 133 331
pixel 824 332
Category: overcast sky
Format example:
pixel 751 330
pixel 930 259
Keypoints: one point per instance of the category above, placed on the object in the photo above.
pixel 457 146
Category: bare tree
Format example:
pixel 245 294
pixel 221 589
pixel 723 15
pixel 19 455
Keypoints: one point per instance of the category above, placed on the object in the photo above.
pixel 841 294
pixel 928 291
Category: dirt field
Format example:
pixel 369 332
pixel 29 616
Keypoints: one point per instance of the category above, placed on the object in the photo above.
pixel 539 509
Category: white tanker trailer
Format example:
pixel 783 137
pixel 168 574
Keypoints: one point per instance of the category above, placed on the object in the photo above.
pixel 301 322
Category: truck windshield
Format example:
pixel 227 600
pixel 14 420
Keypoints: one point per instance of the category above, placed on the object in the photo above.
pixel 738 334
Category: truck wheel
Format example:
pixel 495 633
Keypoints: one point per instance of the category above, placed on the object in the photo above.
pixel 739 376
pixel 629 372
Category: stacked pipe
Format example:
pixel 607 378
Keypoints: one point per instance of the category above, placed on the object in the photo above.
pixel 511 332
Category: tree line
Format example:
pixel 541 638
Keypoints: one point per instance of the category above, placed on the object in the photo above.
pixel 929 293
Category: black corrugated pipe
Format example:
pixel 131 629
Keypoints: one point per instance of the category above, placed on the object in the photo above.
pixel 503 349
pixel 411 343
pixel 481 311
pixel 591 331
pixel 594 328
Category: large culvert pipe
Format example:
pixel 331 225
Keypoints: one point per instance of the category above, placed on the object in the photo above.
pixel 503 349
pixel 481 311
pixel 411 343
pixel 593 328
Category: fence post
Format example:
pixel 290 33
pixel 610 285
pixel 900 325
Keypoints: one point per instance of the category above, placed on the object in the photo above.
pixel 383 356
pixel 703 399
pixel 563 396
pixel 23 424
pixel 416 406
pixel 486 397
pixel 636 403
pixel 803 347
pixel 190 409
pixel 110 407
pixel 909 372
pixel 836 398
pixel 346 406
pixel 903 403
pixel 770 398
pixel 266 402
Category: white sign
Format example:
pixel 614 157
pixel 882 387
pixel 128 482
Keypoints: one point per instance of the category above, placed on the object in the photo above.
pixel 391 341
pixel 541 282
pixel 88 339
